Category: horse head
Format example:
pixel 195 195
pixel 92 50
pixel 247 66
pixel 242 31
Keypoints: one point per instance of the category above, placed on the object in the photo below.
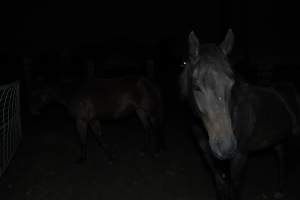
pixel 207 80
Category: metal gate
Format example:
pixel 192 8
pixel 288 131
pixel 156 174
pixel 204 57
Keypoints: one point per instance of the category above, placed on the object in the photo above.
pixel 10 123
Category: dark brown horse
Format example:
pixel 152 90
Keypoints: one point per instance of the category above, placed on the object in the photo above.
pixel 238 118
pixel 106 99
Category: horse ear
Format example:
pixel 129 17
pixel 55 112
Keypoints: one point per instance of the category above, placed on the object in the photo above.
pixel 193 46
pixel 227 44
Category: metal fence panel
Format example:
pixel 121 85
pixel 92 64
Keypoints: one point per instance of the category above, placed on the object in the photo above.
pixel 10 123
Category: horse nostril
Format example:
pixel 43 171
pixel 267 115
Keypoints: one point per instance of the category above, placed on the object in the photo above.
pixel 224 149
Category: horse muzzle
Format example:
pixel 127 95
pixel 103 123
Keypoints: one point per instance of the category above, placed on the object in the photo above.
pixel 224 149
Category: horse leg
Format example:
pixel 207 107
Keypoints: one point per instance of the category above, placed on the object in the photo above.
pixel 82 130
pixel 237 167
pixel 96 129
pixel 143 116
pixel 222 184
pixel 280 151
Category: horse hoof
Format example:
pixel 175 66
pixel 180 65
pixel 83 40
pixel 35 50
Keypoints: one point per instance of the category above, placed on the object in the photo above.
pixel 278 195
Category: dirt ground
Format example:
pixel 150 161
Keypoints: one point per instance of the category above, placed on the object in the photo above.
pixel 44 166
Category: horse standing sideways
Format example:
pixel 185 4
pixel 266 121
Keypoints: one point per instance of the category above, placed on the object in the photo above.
pixel 239 118
pixel 107 99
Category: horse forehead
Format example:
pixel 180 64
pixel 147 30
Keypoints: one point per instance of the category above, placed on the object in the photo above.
pixel 216 68
pixel 210 73
pixel 211 54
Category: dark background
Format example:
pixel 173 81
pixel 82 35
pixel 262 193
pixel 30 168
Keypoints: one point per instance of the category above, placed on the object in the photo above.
pixel 261 27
